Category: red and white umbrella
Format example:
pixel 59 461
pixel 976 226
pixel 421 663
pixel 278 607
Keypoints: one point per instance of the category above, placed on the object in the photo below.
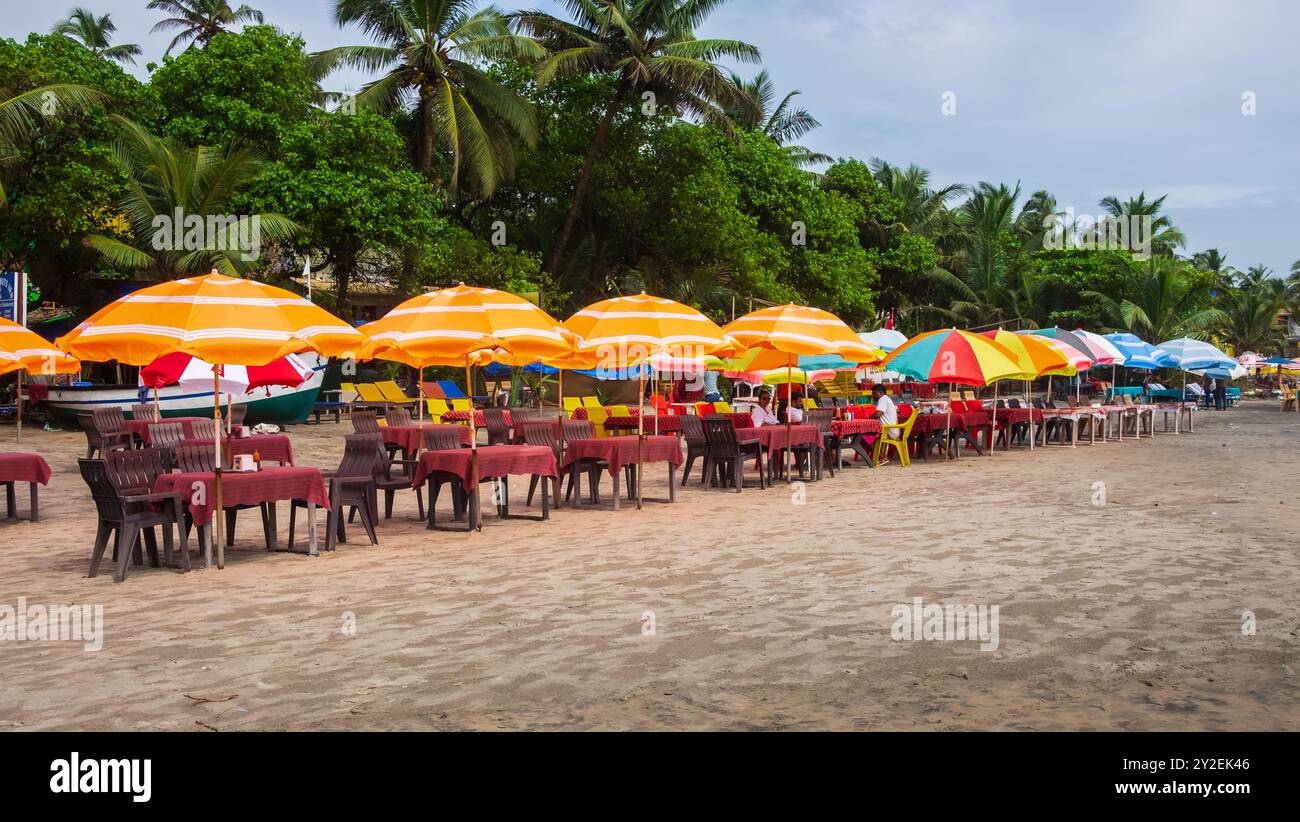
pixel 189 371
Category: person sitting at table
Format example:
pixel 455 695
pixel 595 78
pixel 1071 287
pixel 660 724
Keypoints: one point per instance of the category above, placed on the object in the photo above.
pixel 886 409
pixel 762 413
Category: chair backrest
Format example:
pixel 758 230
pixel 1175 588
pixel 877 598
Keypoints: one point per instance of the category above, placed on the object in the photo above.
pixel 723 407
pixel 365 422
pixel 572 404
pixel 194 459
pixel 719 433
pixel 967 395
pixel 494 420
pixel 820 417
pixel 519 414
pixel 397 416
pixel 108 420
pixel 693 429
pixel 204 429
pixel 591 402
pixel 451 390
pixel 1013 402
pixel 705 408
pixel 618 411
pixel 461 404
pixel 1001 403
pixel 391 390
pixel 363 456
pixel 369 393
pixel 108 500
pixel 237 414
pixel 142 411
pixel 974 406
pixel 435 440
pixel 596 415
pixel 578 430
pixel 136 469
pixel 437 407
pixel 541 433
pixel 166 434
pixel 87 423
pixel 660 405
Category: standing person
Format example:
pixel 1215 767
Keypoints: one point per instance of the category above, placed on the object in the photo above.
pixel 711 392
pixel 1220 395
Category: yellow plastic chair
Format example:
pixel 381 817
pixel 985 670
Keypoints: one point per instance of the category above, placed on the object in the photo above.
pixel 571 404
pixel 590 402
pixel 393 392
pixel 809 404
pixel 618 411
pixel 884 441
pixel 437 407
pixel 1288 399
pixel 462 405
pixel 723 408
pixel 597 417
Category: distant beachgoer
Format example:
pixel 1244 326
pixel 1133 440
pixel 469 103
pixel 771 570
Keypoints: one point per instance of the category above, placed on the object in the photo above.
pixel 711 392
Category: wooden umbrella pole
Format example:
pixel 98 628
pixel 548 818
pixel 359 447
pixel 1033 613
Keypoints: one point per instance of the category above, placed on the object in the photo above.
pixel 476 522
pixel 640 436
pixel 157 412
pixel 947 434
pixel 19 400
pixel 993 413
pixel 419 384
pixel 789 407
pixel 1029 392
pixel 218 513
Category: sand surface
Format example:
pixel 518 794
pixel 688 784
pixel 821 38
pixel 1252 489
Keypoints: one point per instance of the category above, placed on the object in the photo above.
pixel 766 613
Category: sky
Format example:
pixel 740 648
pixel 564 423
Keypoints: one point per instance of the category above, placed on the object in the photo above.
pixel 1185 98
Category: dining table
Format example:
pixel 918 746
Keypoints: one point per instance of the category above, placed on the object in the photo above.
pixel 622 452
pixel 774 441
pixel 139 429
pixel 270 447
pixel 496 463
pixel 462 418
pixel 858 435
pixel 410 438
pixel 248 489
pixel 660 423
pixel 19 467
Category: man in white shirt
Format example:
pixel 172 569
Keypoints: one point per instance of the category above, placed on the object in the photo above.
pixel 886 408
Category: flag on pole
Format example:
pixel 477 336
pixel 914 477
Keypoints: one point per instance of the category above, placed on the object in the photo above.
pixel 306 273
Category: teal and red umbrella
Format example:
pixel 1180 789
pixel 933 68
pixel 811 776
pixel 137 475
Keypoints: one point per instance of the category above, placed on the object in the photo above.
pixel 953 356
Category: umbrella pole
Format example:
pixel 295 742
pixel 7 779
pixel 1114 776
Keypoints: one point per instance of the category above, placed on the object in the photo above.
pixel 19 400
pixel 947 434
pixel 475 522
pixel 1029 391
pixel 789 413
pixel 419 384
pixel 640 435
pixel 157 412
pixel 993 431
pixel 218 513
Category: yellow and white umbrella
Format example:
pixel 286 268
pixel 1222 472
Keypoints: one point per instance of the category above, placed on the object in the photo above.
pixel 22 351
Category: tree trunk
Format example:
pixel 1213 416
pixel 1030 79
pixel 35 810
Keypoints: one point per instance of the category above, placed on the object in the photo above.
pixel 584 179
pixel 426 128
pixel 343 265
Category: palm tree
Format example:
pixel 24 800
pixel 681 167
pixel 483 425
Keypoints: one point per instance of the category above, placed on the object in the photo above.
pixel 95 33
pixel 433 51
pixel 781 122
pixel 1254 277
pixel 21 116
pixel 989 217
pixel 167 180
pixel 200 20
pixel 1164 236
pixel 923 207
pixel 644 46
pixel 1167 304
pixel 1250 321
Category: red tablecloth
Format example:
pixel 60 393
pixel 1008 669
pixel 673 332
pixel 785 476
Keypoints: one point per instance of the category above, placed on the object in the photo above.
pixel 493 461
pixel 1015 416
pixel 620 451
pixel 270 447
pixel 268 485
pixel 847 428
pixel 18 466
pixel 773 436
pixel 930 423
pixel 463 417
pixel 140 428
pixel 667 424
pixel 411 437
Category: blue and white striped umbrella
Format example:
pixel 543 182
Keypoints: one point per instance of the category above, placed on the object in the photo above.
pixel 1194 355
pixel 1138 354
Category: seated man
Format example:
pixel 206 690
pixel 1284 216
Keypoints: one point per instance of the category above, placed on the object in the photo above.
pixel 886 408
pixel 762 414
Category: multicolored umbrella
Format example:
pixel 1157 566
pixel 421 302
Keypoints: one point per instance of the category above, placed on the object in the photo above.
pixel 1071 339
pixel 24 351
pixel 1039 357
pixel 193 373
pixel 953 356
pixel 1101 348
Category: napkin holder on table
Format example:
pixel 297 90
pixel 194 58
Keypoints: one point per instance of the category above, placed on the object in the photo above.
pixel 244 463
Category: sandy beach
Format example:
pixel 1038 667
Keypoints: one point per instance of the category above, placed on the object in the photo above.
pixel 723 611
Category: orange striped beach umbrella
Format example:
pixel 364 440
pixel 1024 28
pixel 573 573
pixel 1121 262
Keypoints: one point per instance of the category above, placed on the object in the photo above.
pixel 222 320
pixel 22 350
pixel 464 326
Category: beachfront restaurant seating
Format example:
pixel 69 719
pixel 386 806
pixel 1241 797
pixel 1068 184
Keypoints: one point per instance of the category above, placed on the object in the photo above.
pixel 98 440
pixel 900 444
pixel 130 515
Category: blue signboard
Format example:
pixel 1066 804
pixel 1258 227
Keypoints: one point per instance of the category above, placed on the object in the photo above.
pixel 13 296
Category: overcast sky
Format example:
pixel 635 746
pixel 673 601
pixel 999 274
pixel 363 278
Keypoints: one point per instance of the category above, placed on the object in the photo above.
pixel 1085 101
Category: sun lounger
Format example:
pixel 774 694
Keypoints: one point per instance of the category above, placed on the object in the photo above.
pixel 393 393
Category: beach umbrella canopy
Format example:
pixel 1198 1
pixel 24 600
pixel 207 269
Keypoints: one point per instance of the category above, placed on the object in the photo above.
pixel 1194 355
pixel 24 350
pixel 801 330
pixel 1035 355
pixel 655 323
pixel 191 372
pixel 220 319
pixel 953 356
pixel 1071 339
pixel 460 325
pixel 885 339
pixel 1222 372
pixel 1137 354
pixel 1078 360
pixel 1101 348
pixel 792 376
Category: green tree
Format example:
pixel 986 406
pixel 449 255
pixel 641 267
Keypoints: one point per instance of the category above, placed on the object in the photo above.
pixel 650 49
pixel 180 212
pixel 1169 299
pixel 1165 236
pixel 434 51
pixel 782 121
pixel 96 33
pixel 200 20
pixel 247 87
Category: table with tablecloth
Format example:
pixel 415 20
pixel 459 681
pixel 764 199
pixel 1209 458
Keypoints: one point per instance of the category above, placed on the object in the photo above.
pixel 929 428
pixel 21 466
pixel 625 451
pixel 555 423
pixel 140 428
pixel 494 462
pixel 667 424
pixel 976 423
pixel 1008 417
pixel 462 418
pixel 270 447
pixel 410 438
pixel 250 489
pixel 858 434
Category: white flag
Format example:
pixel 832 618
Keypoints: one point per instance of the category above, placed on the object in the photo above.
pixel 306 273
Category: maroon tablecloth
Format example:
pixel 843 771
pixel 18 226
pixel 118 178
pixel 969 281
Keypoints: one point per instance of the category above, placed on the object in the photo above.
pixel 411 437
pixel 620 451
pixel 493 461
pixel 847 428
pixel 19 466
pixel 667 424
pixel 462 417
pixel 930 423
pixel 1016 416
pixel 270 447
pixel 140 428
pixel 271 484
pixel 773 436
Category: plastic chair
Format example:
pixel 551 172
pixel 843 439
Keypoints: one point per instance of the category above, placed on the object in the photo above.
pixel 437 407
pixel 571 404
pixel 885 441
pixel 392 392
pixel 458 404
pixel 597 416
pixel 618 411
pixel 591 402
pixel 722 408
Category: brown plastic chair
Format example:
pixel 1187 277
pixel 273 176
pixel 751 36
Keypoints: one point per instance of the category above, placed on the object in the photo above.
pixel 204 429
pixel 542 434
pixel 143 411
pixel 582 430
pixel 365 422
pixel 727 454
pixel 397 416
pixel 494 420
pixel 237 414
pixel 110 428
pixel 166 436
pixel 351 486
pixel 133 515
pixel 697 447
